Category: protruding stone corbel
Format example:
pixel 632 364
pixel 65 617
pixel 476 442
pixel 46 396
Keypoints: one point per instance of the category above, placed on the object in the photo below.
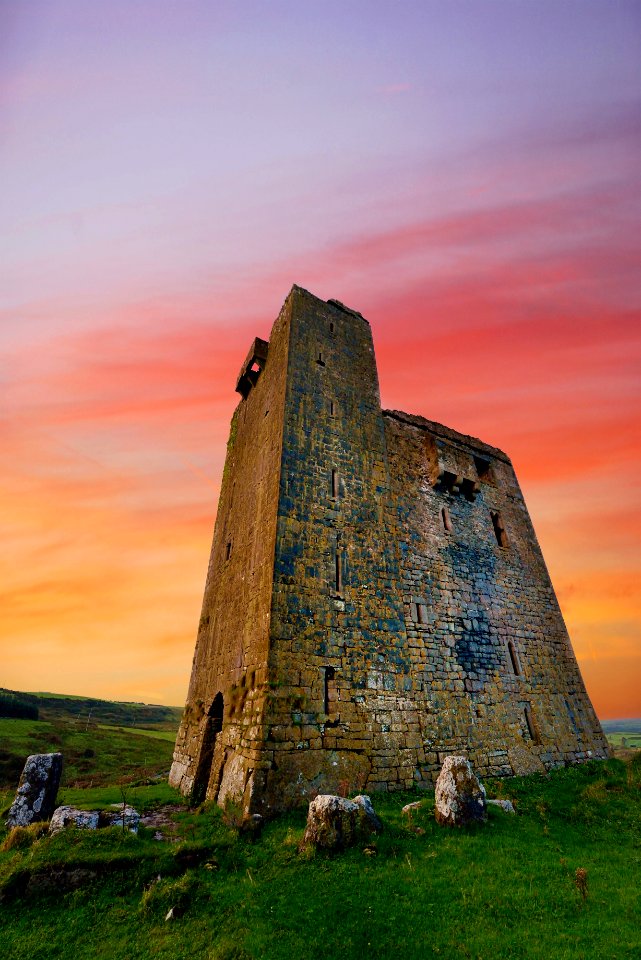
pixel 251 368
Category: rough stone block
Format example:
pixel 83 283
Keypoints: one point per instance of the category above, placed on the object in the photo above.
pixel 37 791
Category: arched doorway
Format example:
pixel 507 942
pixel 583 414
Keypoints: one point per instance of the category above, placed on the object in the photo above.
pixel 213 726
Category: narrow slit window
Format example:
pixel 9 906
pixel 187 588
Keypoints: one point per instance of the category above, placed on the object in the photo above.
pixel 320 359
pixel 531 726
pixel 446 519
pixel 571 715
pixel 331 408
pixel 329 693
pixel 331 328
pixel 338 571
pixel 499 528
pixel 228 551
pixel 334 485
pixel 514 659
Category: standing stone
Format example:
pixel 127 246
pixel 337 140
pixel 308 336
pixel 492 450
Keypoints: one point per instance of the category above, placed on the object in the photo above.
pixel 36 794
pixel 459 797
pixel 334 823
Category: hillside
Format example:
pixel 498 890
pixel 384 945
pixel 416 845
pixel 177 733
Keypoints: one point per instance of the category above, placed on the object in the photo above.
pixel 102 742
pixel 55 706
pixel 507 890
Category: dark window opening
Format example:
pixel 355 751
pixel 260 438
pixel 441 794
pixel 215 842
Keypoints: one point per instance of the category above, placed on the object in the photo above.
pixel 571 715
pixel 338 571
pixel 213 726
pixel 331 328
pixel 418 612
pixel 330 694
pixel 334 484
pixel 450 482
pixel 499 528
pixel 445 517
pixel 531 726
pixel 483 468
pixel 228 551
pixel 331 408
pixel 469 489
pixel 516 666
pixel 320 359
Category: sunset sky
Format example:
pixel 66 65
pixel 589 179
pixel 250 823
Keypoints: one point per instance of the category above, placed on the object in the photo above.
pixel 465 174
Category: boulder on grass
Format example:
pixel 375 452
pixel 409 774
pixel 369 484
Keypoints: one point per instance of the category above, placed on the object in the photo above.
pixel 459 797
pixel 121 815
pixel 505 805
pixel 370 821
pixel 334 823
pixel 72 817
pixel 37 791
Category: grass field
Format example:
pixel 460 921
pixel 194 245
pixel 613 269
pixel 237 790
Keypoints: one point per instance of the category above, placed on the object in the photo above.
pixel 93 755
pixel 630 740
pixel 505 891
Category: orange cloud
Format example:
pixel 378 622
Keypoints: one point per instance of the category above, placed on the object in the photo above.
pixel 502 324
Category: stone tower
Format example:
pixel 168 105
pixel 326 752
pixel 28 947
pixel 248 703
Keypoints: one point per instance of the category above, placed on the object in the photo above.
pixel 376 597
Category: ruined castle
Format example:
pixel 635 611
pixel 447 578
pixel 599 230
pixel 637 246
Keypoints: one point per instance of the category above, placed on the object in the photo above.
pixel 376 596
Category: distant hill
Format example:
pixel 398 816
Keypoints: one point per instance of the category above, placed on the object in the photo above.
pixel 622 726
pixel 54 706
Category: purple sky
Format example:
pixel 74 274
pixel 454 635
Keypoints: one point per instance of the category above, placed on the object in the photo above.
pixel 464 173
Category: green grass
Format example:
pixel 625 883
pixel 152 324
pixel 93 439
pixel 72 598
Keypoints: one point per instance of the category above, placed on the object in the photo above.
pixel 143 797
pixel 93 755
pixel 503 891
pixel 632 740
pixel 169 735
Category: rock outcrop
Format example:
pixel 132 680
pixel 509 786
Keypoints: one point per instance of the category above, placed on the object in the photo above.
pixel 334 823
pixel 37 791
pixel 505 805
pixel 459 797
pixel 121 815
pixel 66 816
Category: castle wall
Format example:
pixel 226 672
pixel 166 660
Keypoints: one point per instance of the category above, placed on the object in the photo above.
pixel 376 597
pixel 233 635
pixel 493 646
pixel 340 712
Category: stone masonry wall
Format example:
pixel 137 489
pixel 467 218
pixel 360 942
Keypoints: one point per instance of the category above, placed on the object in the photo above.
pixel 233 636
pixel 376 596
pixel 479 598
pixel 340 712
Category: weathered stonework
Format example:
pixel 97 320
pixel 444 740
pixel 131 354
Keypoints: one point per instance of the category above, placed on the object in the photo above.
pixel 376 597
